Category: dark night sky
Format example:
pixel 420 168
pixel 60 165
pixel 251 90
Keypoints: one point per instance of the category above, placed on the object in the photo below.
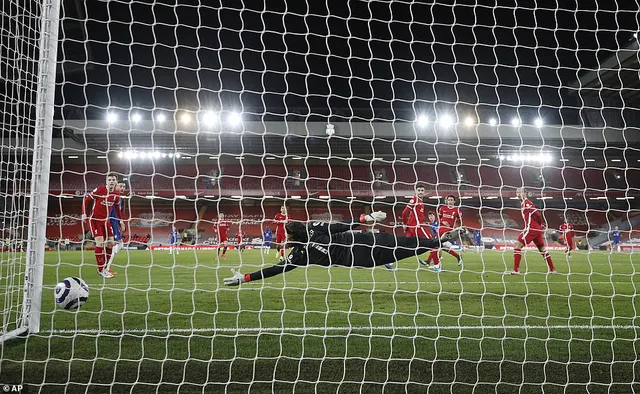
pixel 367 59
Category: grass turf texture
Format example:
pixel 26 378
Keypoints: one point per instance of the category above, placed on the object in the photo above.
pixel 168 324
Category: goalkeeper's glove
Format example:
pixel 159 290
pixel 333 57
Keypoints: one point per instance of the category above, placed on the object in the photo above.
pixel 236 279
pixel 376 216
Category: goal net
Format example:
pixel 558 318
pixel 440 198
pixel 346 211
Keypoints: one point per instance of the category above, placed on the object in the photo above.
pixel 219 118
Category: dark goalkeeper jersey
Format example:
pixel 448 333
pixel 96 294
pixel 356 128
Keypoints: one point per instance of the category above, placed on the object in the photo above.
pixel 328 244
pixel 334 244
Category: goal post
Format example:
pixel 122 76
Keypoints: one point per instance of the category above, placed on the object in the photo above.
pixel 35 164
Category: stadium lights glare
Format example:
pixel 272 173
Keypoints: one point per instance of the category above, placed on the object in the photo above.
pixel 270 158
pixel 408 196
pixel 545 198
pixel 136 117
pixel 538 122
pixel 132 154
pixel 491 197
pixel 485 159
pixel 493 121
pixel 435 197
pixel 324 197
pixel 625 198
pixel 160 118
pixel 185 118
pixel 101 157
pixel 234 119
pixel 462 159
pixel 515 122
pixel 422 121
pixel 590 160
pixel 564 159
pixel 465 197
pixel 432 158
pixel 209 118
pixel 528 157
pixel 296 197
pixel 446 121
pixel 568 198
pixel 213 157
pixel 405 158
pixel 111 117
pixel 469 121
pixel 297 158
pixel 209 196
pixel 616 160
pixel 236 196
pixel 239 157
pixel 72 157
pixel 380 197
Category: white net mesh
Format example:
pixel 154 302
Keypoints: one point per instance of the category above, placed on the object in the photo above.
pixel 209 109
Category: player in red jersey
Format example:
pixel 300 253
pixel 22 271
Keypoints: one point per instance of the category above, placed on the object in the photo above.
pixel 413 220
pixel 533 232
pixel 220 227
pixel 449 217
pixel 281 220
pixel 567 231
pixel 103 198
pixel 242 236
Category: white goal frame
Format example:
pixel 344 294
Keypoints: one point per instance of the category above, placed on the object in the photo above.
pixel 29 321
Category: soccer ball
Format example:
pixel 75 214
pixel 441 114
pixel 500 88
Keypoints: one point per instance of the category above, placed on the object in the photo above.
pixel 71 293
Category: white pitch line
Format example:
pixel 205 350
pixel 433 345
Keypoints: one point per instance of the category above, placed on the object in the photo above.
pixel 341 329
pixel 310 284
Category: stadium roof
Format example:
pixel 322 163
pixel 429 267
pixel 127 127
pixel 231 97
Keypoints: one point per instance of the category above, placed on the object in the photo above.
pixel 616 76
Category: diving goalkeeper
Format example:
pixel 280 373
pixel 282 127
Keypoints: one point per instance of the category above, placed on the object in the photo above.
pixel 327 244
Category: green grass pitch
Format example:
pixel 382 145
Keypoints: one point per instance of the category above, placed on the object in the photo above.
pixel 167 324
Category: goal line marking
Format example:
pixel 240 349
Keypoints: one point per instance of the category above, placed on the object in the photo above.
pixel 341 329
pixel 341 283
pixel 312 285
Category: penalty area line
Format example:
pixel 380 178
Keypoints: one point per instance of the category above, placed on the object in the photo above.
pixel 343 283
pixel 339 329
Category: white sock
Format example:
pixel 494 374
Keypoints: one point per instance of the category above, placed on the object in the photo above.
pixel 114 251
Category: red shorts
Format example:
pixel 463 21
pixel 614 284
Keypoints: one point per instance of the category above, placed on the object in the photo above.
pixel 534 236
pixel 101 228
pixel 443 230
pixel 280 237
pixel 223 238
pixel 420 232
